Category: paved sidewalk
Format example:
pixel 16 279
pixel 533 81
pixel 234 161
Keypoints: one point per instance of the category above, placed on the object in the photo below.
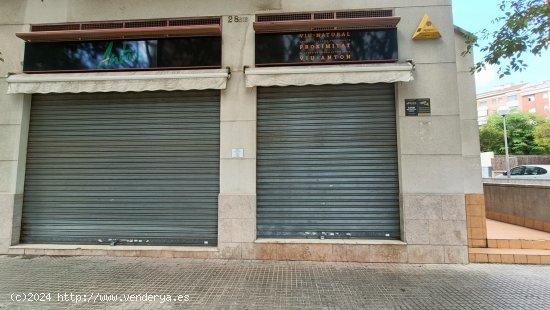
pixel 221 284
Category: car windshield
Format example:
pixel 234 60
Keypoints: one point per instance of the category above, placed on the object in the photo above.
pixel 517 171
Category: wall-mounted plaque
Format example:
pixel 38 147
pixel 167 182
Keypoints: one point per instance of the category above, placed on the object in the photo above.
pixel 327 47
pixel 418 107
pixel 169 53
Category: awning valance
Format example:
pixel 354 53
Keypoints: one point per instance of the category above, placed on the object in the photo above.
pixel 117 81
pixel 324 75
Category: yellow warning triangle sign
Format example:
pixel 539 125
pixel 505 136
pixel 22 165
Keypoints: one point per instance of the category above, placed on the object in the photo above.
pixel 426 30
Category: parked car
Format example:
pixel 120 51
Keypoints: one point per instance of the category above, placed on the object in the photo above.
pixel 528 172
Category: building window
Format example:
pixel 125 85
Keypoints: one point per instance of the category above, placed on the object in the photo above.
pixel 547 107
pixel 512 98
pixel 531 98
pixel 532 110
pixel 483 104
pixel 545 95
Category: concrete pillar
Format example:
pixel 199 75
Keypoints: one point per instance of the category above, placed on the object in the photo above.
pixel 237 200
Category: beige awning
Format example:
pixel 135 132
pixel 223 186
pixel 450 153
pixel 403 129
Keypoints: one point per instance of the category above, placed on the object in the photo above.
pixel 324 75
pixel 117 81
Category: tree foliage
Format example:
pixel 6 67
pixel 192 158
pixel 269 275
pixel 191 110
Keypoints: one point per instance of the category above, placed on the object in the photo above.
pixel 521 134
pixel 542 136
pixel 525 29
pixel 491 140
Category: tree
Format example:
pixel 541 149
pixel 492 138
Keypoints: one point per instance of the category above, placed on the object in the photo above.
pixel 521 137
pixel 491 139
pixel 542 136
pixel 525 29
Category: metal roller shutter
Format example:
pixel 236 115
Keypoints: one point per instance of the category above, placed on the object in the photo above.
pixel 132 168
pixel 327 162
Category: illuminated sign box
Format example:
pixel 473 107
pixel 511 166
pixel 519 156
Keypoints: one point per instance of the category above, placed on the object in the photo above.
pixel 327 47
pixel 115 55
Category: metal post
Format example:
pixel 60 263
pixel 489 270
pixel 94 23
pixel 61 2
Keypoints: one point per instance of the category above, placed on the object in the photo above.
pixel 506 148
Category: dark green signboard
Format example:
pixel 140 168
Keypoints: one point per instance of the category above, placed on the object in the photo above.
pixel 327 47
pixel 170 53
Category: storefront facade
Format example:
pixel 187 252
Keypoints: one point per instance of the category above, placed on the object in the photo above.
pixel 261 130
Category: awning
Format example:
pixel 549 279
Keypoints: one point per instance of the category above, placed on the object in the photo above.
pixel 324 75
pixel 117 81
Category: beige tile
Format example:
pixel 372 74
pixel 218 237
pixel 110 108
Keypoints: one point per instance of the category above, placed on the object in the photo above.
pixel 494 258
pixel 474 210
pixel 359 254
pixel 533 259
pixel 424 207
pixel 149 253
pixel 515 244
pixel 482 258
pixel 15 252
pixel 388 254
pixel 475 199
pixel 266 251
pixel 236 230
pixel 453 207
pixel 237 206
pixel 59 252
pixel 491 243
pixel 507 258
pixel 545 259
pixel 340 252
pixel 503 244
pixel 230 250
pixel 479 243
pixel 456 254
pixel 248 251
pixel 225 230
pixel 417 231
pixel 306 252
pixel 125 253
pixel 520 259
pixel 89 252
pixel 539 225
pixel 479 233
pixel 448 233
pixel 35 252
pixel 247 230
pixel 422 254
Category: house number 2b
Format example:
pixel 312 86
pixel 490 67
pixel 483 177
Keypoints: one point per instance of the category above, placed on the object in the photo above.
pixel 237 19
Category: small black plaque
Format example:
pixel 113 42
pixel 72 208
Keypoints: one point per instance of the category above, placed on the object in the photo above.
pixel 418 107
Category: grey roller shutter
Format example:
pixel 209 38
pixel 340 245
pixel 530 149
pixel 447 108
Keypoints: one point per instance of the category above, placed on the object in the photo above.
pixel 134 167
pixel 327 162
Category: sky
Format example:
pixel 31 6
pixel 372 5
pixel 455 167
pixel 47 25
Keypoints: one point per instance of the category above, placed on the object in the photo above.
pixel 475 15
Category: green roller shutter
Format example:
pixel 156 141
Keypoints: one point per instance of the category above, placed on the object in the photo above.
pixel 327 162
pixel 135 168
